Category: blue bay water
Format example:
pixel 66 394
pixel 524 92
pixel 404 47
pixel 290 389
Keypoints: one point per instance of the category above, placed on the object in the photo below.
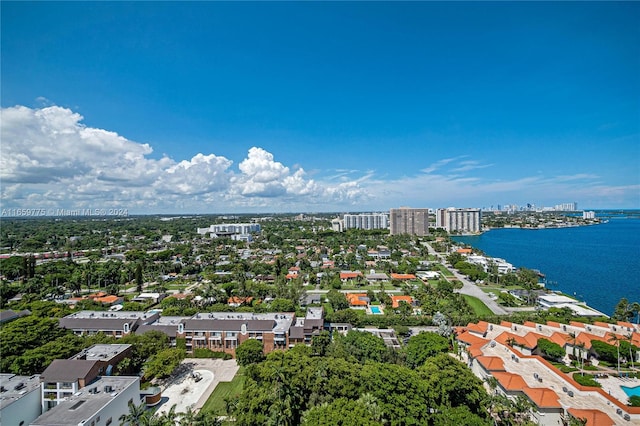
pixel 599 264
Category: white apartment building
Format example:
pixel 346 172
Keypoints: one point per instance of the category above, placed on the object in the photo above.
pixel 588 215
pixel 230 228
pixel 566 207
pixel 366 221
pixel 459 220
pixel 19 399
pixel 100 403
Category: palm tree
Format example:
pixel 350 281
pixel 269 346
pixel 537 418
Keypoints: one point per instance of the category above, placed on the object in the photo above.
pixel 629 338
pixel 137 414
pixel 614 338
pixel 581 346
pixel 188 418
pixel 168 417
pixel 573 339
pixel 635 307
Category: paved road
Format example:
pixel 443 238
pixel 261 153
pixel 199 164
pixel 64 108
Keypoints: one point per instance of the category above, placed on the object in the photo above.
pixel 470 288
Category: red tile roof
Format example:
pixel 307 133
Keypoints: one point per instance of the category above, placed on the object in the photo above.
pixel 543 397
pixel 491 363
pixel 355 299
pixel 348 275
pixel 510 381
pixel 395 300
pixel 593 417
pixel 402 276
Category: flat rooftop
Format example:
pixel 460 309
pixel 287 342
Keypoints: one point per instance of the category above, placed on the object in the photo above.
pixel 283 321
pixel 314 313
pixel 85 404
pixel 102 352
pixel 110 314
pixel 13 387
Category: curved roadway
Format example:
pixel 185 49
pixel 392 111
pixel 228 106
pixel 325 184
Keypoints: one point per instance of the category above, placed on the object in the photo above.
pixel 470 288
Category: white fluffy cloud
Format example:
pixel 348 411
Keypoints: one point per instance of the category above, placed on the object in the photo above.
pixel 50 158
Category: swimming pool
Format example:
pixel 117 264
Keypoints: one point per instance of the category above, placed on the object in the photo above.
pixel 635 391
pixel 376 310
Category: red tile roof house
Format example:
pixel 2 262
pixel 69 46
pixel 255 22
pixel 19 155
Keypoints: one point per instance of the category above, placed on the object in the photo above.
pixel 357 300
pixel 403 277
pixel 395 301
pixel 237 301
pixel 349 275
pixel 294 272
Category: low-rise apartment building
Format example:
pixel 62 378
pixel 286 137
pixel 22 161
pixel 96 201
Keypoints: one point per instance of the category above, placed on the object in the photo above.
pixel 99 404
pixel 116 324
pixel 19 399
pixel 225 331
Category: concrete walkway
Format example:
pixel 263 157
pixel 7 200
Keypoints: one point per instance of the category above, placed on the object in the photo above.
pixel 184 392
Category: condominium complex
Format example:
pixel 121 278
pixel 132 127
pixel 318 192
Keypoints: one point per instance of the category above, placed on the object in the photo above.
pixel 230 228
pixel 566 207
pixel 366 221
pixel 410 221
pixel 459 220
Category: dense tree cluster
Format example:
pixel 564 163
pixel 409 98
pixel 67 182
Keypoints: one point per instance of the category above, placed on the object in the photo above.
pixel 346 388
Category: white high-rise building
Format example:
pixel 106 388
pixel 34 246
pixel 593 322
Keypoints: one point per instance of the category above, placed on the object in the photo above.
pixel 366 221
pixel 234 228
pixel 566 207
pixel 459 220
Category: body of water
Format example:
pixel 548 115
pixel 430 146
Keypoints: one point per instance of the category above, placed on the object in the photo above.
pixel 599 264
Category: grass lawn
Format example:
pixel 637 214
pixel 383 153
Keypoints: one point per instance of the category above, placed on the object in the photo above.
pixel 215 403
pixel 445 271
pixel 478 306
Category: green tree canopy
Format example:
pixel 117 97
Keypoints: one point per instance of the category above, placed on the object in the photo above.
pixel 249 352
pixel 424 346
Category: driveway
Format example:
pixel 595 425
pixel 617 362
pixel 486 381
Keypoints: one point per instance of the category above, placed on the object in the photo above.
pixel 184 391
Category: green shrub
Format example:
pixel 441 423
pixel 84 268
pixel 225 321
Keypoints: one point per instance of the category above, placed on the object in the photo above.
pixel 586 380
pixel 207 353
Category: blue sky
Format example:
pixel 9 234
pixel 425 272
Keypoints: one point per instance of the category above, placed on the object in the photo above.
pixel 336 106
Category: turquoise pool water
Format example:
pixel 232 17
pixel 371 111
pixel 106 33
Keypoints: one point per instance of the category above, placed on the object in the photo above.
pixel 376 310
pixel 635 391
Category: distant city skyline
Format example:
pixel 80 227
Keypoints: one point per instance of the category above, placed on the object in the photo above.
pixel 242 107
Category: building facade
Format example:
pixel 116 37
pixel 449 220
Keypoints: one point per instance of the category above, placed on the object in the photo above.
pixel 410 221
pixel 100 404
pixel 225 331
pixel 19 399
pixel 366 221
pixel 459 220
pixel 231 228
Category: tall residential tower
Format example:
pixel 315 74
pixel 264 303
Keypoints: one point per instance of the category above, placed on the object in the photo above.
pixel 410 221
pixel 459 220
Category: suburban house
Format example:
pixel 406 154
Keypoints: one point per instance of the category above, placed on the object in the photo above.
pixel 349 275
pixel 357 300
pixel 396 299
